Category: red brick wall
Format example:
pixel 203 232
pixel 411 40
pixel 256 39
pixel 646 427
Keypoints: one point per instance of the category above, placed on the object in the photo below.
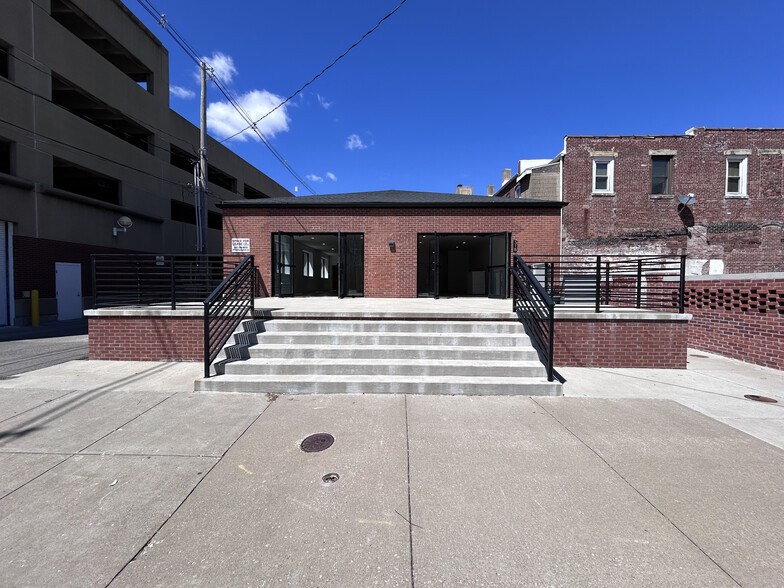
pixel 746 233
pixel 740 318
pixel 617 344
pixel 388 274
pixel 146 338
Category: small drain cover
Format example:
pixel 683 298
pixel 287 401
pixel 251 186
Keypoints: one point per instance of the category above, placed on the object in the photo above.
pixel 328 479
pixel 317 442
pixel 759 398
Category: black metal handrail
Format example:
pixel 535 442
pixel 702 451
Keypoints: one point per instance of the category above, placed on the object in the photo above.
pixel 147 279
pixel 620 281
pixel 225 308
pixel 535 308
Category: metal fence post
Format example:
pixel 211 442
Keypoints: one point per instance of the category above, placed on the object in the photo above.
pixel 682 286
pixel 173 289
pixel 598 293
pixel 95 289
pixel 252 284
pixel 639 283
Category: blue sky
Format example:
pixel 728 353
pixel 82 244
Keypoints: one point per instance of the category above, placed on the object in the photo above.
pixel 451 92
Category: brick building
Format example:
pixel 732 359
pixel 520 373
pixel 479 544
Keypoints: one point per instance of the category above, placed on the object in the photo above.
pixel 87 137
pixel 623 196
pixel 389 244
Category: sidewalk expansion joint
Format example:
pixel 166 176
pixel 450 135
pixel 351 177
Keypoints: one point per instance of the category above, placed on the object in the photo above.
pixel 187 496
pixel 408 488
pixel 638 492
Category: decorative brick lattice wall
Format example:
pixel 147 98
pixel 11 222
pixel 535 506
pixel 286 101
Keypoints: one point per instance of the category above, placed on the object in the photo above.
pixel 738 317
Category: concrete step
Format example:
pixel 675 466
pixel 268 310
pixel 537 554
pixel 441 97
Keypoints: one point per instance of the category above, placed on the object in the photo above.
pixel 391 326
pixel 384 338
pixel 457 352
pixel 364 384
pixel 386 367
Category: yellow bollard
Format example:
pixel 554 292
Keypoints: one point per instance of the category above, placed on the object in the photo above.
pixel 35 313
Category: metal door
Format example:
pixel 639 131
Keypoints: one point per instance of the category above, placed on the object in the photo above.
pixel 68 280
pixel 6 296
pixel 351 265
pixel 498 266
pixel 283 267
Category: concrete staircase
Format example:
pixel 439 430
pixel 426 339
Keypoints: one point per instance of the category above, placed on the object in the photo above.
pixel 365 356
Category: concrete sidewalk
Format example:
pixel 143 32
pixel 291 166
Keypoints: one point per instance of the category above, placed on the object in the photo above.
pixel 116 473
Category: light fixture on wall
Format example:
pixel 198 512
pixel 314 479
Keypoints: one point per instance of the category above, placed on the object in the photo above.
pixel 123 224
pixel 392 245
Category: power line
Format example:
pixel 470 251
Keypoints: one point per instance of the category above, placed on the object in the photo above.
pixel 318 75
pixel 189 50
pixel 48 72
pixel 52 141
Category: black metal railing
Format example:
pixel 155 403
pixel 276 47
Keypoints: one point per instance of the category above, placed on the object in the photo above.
pixel 148 279
pixel 620 281
pixel 535 308
pixel 225 308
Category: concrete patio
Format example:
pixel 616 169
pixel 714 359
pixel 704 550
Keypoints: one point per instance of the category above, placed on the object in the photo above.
pixel 116 473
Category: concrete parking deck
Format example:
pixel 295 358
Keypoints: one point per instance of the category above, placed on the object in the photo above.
pixel 116 473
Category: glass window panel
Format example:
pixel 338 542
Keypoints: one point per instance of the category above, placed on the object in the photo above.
pixel 659 186
pixel 601 183
pixel 601 168
pixel 733 168
pixel 733 185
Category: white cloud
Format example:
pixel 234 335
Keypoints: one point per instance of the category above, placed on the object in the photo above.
pixel 223 120
pixel 223 65
pixel 354 142
pixel 331 176
pixel 323 101
pixel 314 178
pixel 181 92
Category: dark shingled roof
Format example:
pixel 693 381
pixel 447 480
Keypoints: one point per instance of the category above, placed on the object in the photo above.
pixel 392 199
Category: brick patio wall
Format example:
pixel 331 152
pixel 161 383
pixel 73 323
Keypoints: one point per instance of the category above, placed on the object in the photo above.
pixel 738 316
pixel 621 343
pixel 388 274
pixel 146 338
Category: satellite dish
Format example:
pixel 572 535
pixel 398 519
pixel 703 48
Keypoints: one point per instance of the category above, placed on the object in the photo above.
pixel 687 199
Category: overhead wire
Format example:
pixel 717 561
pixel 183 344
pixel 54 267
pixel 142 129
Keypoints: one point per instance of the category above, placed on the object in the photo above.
pixel 194 55
pixel 142 123
pixel 318 75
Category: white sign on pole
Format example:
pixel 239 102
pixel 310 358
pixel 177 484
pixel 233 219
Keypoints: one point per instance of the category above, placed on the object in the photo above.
pixel 240 245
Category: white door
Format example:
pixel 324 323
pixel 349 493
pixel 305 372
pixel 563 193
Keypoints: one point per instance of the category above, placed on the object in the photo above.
pixel 5 295
pixel 69 290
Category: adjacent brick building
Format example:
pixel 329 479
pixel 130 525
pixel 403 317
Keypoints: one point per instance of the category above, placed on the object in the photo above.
pixel 623 196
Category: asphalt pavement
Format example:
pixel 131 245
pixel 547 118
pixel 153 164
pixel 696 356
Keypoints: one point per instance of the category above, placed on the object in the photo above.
pixel 117 473
pixel 23 349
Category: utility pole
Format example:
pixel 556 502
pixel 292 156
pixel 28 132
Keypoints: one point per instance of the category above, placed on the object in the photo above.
pixel 201 184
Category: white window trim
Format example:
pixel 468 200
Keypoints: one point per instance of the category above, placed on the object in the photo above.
pixel 744 164
pixel 324 268
pixel 307 264
pixel 610 161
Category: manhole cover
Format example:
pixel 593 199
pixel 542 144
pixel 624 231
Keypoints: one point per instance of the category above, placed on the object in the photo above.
pixel 317 442
pixel 328 479
pixel 759 398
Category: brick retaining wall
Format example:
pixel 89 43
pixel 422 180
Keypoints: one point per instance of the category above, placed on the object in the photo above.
pixel 154 338
pixel 611 343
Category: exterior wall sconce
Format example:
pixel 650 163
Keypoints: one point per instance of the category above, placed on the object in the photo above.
pixel 123 224
pixel 392 245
